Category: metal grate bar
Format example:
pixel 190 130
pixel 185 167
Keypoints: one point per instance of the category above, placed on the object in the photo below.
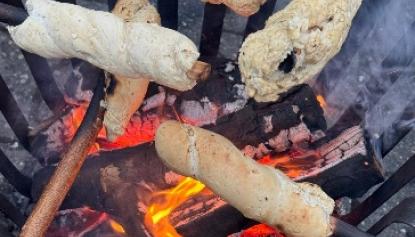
pixel 45 81
pixel 168 10
pixel 111 4
pixel 15 3
pixel 404 213
pixel 211 30
pixel 399 179
pixel 19 181
pixel 13 114
pixel 11 212
pixel 11 15
pixel 257 21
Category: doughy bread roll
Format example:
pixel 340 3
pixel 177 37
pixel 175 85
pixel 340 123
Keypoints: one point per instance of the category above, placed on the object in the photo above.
pixel 260 192
pixel 128 93
pixel 130 49
pixel 295 45
pixel 241 7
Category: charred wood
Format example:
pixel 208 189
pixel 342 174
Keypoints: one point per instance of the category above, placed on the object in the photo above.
pixel 219 104
pixel 348 161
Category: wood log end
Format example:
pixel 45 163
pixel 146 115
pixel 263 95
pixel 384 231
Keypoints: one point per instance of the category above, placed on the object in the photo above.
pixel 200 71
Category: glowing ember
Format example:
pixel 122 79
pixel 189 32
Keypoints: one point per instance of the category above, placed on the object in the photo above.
pixel 261 230
pixel 116 227
pixel 139 130
pixel 164 202
pixel 321 101
pixel 293 165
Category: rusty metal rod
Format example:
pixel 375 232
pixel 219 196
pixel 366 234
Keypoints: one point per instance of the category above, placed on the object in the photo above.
pixel 68 168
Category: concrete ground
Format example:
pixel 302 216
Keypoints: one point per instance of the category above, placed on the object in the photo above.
pixel 17 76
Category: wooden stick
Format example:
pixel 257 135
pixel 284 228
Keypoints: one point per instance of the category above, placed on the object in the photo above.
pixel 68 168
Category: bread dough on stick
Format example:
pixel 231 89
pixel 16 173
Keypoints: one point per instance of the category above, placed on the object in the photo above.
pixel 295 45
pixel 129 49
pixel 128 94
pixel 259 192
pixel 241 7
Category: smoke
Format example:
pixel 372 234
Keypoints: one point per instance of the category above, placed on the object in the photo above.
pixel 374 74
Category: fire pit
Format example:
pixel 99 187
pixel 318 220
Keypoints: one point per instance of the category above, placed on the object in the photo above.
pixel 334 132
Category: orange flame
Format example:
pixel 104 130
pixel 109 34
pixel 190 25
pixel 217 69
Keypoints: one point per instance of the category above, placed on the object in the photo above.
pixel 293 164
pixel 116 227
pixel 321 101
pixel 157 216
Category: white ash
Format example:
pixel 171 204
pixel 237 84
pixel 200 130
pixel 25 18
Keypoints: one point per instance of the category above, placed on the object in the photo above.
pixel 171 99
pixel 241 98
pixel 154 101
pixel 335 154
pixel 350 136
pixel 204 99
pixel 299 134
pixel 202 208
pixel 172 178
pixel 268 127
pixel 280 142
pixel 199 113
pixel 317 135
pixel 80 95
pixel 229 67
pixel 296 109
pixel 339 149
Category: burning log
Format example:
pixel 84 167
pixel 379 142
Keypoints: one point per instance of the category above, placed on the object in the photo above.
pixel 120 183
pixel 307 35
pixel 219 104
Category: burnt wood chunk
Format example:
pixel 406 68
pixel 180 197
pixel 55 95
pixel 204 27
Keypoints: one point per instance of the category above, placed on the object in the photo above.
pixel 266 120
pixel 349 166
pixel 219 104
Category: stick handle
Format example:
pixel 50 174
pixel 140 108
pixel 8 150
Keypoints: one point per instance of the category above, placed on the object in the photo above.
pixel 68 168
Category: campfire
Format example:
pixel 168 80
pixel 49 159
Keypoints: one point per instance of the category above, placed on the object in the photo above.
pixel 163 150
